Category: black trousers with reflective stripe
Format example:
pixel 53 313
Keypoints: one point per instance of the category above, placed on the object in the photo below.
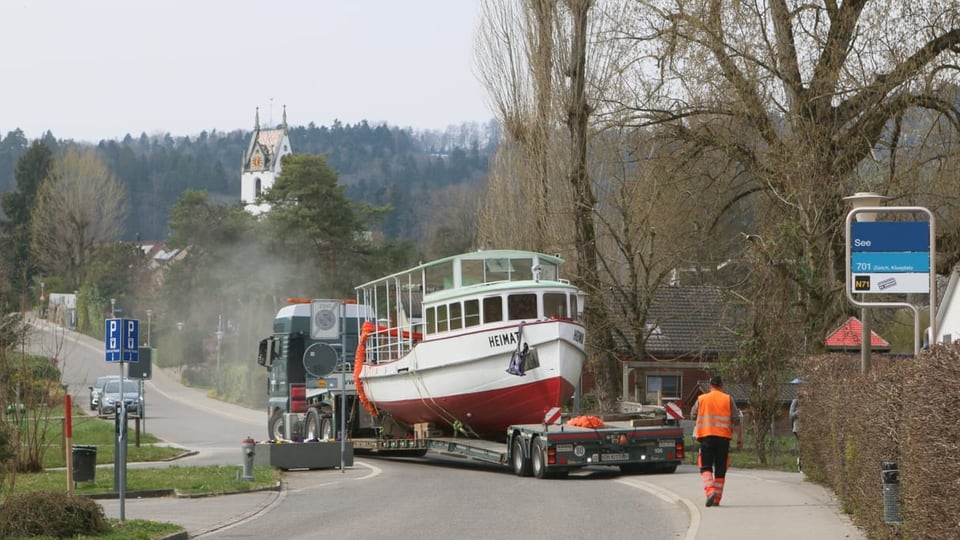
pixel 714 455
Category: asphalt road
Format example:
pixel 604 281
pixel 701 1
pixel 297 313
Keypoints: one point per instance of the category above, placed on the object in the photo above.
pixel 428 498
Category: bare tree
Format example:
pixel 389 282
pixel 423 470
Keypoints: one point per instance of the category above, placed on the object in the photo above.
pixel 80 206
pixel 452 221
pixel 515 61
pixel 567 145
pixel 799 95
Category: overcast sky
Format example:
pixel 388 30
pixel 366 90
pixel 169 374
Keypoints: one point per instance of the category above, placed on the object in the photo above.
pixel 99 69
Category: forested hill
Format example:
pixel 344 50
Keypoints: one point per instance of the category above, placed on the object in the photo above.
pixel 378 164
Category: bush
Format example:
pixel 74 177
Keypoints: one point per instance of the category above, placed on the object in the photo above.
pixel 47 513
pixel 903 411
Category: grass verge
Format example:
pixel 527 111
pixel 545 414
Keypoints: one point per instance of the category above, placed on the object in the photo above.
pixel 213 480
pixel 131 529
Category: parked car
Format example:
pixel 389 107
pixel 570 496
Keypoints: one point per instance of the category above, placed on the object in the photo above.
pixel 96 390
pixel 111 397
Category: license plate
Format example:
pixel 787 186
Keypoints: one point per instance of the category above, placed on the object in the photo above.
pixel 615 457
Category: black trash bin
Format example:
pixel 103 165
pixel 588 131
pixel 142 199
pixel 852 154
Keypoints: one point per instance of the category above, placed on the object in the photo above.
pixel 84 463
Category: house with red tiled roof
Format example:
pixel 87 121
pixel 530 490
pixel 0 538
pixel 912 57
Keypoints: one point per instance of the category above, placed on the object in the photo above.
pixel 688 329
pixel 848 337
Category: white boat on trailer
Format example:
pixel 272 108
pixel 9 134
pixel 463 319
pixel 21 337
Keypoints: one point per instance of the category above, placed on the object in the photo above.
pixel 471 343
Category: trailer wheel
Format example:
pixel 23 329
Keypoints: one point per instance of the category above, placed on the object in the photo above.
pixel 521 465
pixel 311 427
pixel 275 425
pixel 326 429
pixel 538 458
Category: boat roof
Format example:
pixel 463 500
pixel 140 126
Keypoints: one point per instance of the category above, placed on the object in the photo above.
pixel 475 268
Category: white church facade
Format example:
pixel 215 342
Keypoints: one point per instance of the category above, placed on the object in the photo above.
pixel 262 162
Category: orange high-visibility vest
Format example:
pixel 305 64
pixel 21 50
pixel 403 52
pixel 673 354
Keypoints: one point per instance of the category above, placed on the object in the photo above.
pixel 714 417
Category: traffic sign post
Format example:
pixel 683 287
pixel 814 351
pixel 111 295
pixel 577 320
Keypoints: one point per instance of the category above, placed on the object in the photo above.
pixel 121 339
pixel 892 258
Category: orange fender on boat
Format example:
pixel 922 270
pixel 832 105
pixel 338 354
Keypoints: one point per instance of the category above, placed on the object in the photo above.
pixel 368 328
pixel 591 422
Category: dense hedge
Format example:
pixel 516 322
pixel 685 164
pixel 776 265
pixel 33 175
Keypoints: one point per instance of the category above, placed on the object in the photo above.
pixel 46 513
pixel 905 410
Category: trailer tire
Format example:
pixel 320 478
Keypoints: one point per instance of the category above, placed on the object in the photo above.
pixel 275 426
pixel 521 464
pixel 538 458
pixel 311 426
pixel 326 429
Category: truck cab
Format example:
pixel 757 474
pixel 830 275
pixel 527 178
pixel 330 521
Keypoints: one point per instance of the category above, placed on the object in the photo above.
pixel 309 359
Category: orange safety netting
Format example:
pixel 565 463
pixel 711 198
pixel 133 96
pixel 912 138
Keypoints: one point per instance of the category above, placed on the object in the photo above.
pixel 368 328
pixel 591 422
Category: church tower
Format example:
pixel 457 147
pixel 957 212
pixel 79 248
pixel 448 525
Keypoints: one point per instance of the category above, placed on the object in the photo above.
pixel 261 162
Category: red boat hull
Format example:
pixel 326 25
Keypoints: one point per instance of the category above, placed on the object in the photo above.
pixel 486 413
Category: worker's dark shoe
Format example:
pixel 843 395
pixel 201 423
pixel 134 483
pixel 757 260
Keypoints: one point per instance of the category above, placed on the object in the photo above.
pixel 711 500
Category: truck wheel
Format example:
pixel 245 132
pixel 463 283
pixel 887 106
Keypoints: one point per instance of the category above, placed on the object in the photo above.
pixel 521 465
pixel 311 426
pixel 275 425
pixel 538 458
pixel 326 429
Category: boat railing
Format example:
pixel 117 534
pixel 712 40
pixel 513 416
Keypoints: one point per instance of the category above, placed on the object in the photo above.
pixel 390 343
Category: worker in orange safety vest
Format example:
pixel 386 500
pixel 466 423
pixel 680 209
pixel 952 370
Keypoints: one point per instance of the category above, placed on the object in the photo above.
pixel 715 414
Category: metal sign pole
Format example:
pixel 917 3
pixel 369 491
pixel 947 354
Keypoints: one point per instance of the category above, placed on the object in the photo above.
pixel 121 456
pixel 343 422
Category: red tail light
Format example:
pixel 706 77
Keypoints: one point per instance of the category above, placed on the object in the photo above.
pixel 552 456
pixel 298 398
pixel 679 448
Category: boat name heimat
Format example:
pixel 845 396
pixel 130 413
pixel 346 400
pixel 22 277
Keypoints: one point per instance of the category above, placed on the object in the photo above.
pixel 500 340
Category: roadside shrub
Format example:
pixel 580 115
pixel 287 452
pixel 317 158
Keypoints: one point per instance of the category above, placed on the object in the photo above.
pixel 47 513
pixel 903 411
pixel 197 375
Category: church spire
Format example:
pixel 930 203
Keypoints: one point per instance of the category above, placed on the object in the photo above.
pixel 256 122
pixel 284 117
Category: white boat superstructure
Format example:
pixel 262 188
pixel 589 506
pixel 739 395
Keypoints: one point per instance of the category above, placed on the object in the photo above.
pixel 477 341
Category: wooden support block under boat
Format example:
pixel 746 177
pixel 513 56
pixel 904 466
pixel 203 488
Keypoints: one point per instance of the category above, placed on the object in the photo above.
pixel 426 430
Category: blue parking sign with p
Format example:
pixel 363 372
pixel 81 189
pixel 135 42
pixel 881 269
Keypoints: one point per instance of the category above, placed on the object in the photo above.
pixel 121 340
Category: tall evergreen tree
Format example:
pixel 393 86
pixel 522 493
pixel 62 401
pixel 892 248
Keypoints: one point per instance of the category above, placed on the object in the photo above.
pixel 17 206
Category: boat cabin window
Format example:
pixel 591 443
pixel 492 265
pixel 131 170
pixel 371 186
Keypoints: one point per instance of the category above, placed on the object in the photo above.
pixel 522 269
pixel 456 319
pixel 548 272
pixel 492 309
pixel 555 305
pixel 442 319
pixel 430 326
pixel 439 277
pixel 471 313
pixel 522 306
pixel 471 272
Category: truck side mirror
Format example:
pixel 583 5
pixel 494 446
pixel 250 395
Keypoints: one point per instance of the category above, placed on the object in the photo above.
pixel 263 356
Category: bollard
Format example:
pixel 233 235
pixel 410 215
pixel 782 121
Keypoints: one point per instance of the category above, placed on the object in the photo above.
pixel 890 476
pixel 249 447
